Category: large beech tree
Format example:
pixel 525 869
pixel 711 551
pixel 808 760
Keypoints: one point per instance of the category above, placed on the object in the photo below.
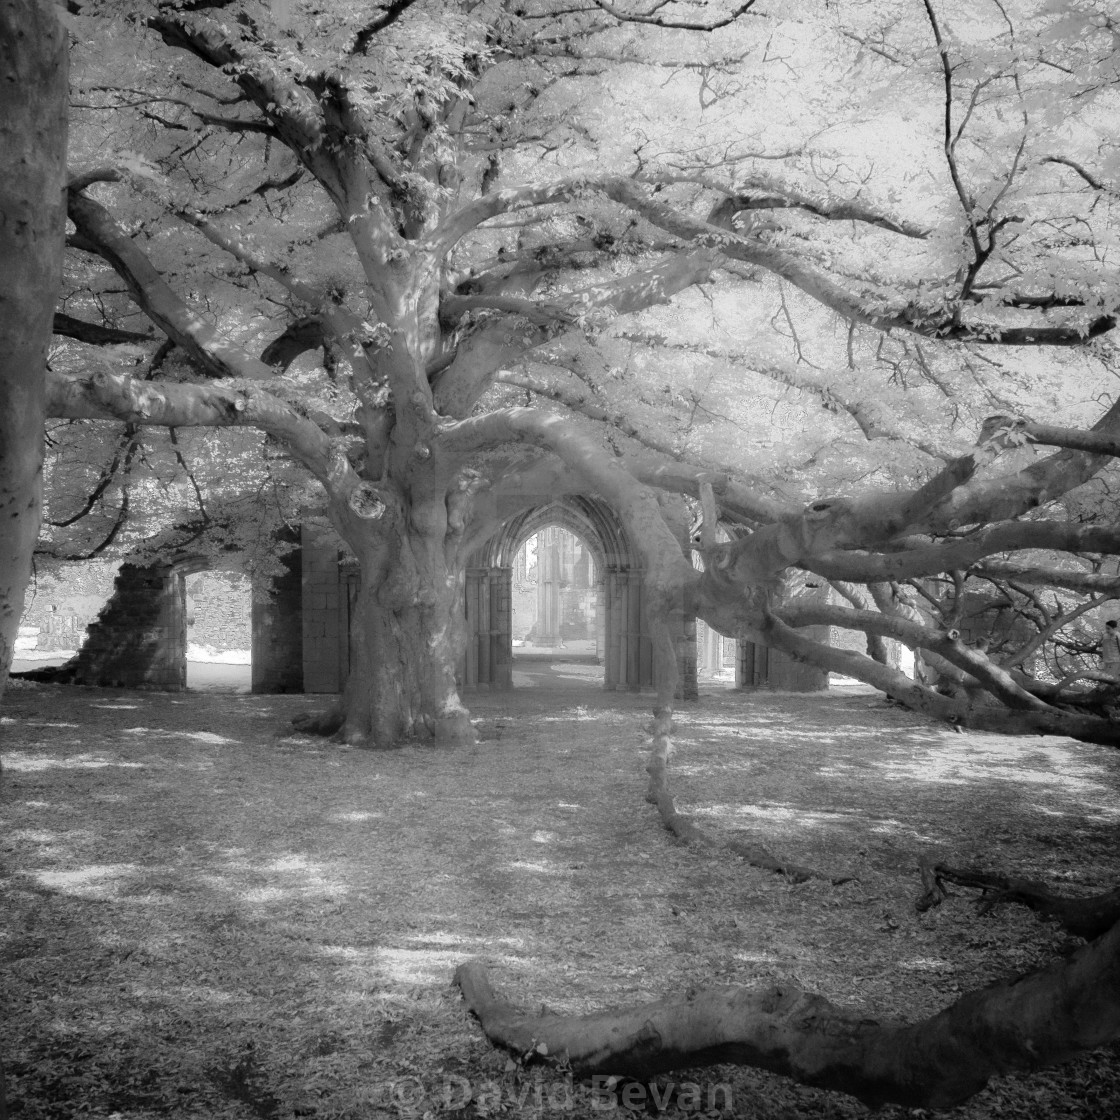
pixel 419 196
pixel 455 259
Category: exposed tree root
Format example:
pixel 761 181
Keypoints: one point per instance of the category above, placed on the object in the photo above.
pixel 319 723
pixel 659 794
pixel 1020 1024
pixel 1083 917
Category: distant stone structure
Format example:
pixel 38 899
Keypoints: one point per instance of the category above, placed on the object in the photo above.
pixel 219 614
pixel 299 624
pixel 556 590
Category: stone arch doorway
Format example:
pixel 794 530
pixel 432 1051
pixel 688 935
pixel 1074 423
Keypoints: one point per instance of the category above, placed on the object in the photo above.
pixel 622 635
pixel 219 642
pixel 557 596
pixel 139 639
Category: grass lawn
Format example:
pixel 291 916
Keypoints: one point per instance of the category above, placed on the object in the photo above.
pixel 202 915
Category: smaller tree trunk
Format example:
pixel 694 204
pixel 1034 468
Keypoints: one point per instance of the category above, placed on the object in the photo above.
pixel 33 103
pixel 1021 1024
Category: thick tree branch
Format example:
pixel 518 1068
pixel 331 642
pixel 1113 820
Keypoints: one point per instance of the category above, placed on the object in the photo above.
pixel 291 109
pixel 961 552
pixel 1094 181
pixel 827 291
pixel 718 610
pixel 111 396
pixel 971 661
pixel 738 500
pixel 213 352
pixel 314 119
pixel 1077 439
pixel 766 193
pixel 702 235
pixel 94 333
pixel 391 12
pixel 1008 496
pixel 649 286
pixel 1084 582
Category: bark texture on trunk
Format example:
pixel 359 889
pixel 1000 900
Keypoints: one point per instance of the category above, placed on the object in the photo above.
pixel 33 103
pixel 1021 1024
pixel 402 683
pixel 407 629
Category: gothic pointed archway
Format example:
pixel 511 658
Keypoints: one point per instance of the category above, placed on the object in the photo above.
pixel 626 650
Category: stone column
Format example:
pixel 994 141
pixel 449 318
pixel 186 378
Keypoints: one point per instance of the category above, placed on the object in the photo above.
pixel 323 629
pixel 278 629
pixel 501 627
pixel 549 572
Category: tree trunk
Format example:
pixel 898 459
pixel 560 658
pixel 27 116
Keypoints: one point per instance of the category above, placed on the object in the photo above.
pixel 33 101
pixel 1021 1024
pixel 408 630
pixel 404 663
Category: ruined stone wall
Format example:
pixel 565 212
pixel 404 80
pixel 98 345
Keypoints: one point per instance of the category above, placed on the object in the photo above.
pixel 60 606
pixel 137 639
pixel 524 602
pixel 219 611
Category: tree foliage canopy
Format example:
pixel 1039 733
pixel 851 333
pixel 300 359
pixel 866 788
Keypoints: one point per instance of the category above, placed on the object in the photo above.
pixel 452 259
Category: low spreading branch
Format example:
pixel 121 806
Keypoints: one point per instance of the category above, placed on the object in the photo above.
pixel 962 552
pixel 1023 1024
pixel 112 396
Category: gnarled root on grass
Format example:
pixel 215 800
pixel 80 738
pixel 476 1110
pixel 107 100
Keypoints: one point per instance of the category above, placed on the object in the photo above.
pixel 1083 917
pixel 1022 1024
pixel 658 793
pixel 319 723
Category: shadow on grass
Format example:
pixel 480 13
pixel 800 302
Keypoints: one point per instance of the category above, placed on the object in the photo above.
pixel 205 915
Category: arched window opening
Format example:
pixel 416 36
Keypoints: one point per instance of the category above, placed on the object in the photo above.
pixel 557 610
